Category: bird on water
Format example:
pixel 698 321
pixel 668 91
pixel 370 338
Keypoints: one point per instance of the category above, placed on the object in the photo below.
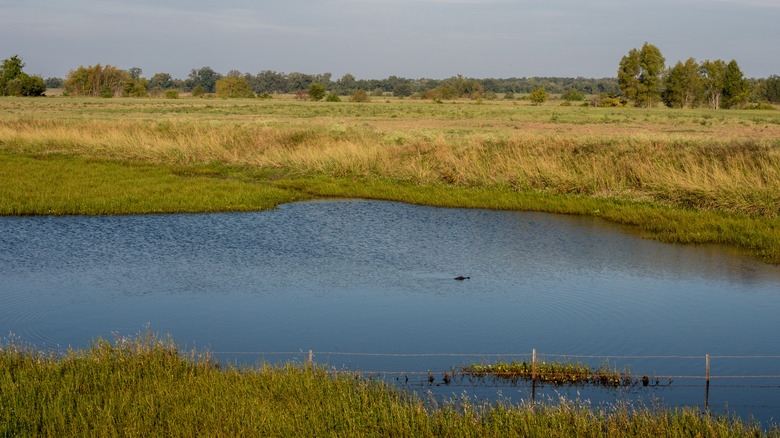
pixel 462 278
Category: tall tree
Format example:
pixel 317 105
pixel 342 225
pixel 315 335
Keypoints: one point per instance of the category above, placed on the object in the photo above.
pixel 736 89
pixel 233 85
pixel 771 89
pixel 712 73
pixel 161 80
pixel 11 68
pixel 628 74
pixel 206 77
pixel 683 85
pixel 640 75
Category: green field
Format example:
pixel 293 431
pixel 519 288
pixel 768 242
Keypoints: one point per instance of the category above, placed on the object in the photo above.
pixel 690 176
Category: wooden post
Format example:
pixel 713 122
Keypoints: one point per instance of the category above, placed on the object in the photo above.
pixel 310 356
pixel 707 391
pixel 533 377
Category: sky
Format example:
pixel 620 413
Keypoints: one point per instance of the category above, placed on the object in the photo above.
pixel 374 39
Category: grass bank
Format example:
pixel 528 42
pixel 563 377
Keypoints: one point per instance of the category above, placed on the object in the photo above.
pixel 146 386
pixel 679 176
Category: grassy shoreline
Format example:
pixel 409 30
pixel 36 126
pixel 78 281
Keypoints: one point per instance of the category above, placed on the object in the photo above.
pixel 146 386
pixel 67 184
pixel 703 177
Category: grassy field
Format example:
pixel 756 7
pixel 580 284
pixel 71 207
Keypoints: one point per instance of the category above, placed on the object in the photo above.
pixel 691 176
pixel 146 386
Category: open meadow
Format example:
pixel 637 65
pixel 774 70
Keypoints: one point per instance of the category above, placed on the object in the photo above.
pixel 691 176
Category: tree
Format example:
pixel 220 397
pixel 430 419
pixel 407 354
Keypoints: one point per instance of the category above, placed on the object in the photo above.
pixel 15 82
pixel 205 77
pixel 299 81
pixel 317 91
pixel 135 73
pixel 161 80
pixel 736 89
pixel 538 96
pixel 771 89
pixel 11 68
pixel 96 81
pixel 233 86
pixel 640 75
pixel 712 79
pixel 136 87
pixel 402 90
pixel 53 82
pixel 683 85
pixel 347 84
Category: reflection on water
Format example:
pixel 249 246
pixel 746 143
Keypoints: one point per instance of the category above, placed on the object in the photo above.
pixel 377 277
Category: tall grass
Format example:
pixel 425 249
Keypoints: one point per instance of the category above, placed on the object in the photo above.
pixel 732 174
pixel 681 176
pixel 147 386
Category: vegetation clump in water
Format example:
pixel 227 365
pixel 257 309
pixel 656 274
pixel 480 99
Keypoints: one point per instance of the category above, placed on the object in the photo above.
pixel 560 373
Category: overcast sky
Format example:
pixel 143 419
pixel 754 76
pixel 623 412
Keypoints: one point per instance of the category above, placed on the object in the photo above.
pixel 373 39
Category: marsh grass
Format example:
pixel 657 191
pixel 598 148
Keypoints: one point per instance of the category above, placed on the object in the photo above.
pixel 718 183
pixel 147 386
pixel 60 184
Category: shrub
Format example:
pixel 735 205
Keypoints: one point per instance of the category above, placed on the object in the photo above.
pixel 360 96
pixel 172 94
pixel 509 95
pixel 317 91
pixel 333 97
pixel 106 91
pixel 198 91
pixel 265 96
pixel 761 106
pixel 573 94
pixel 538 96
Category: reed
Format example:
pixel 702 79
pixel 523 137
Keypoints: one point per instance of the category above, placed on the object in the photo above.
pixel 147 386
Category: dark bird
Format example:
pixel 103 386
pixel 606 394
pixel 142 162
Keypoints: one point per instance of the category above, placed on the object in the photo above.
pixel 462 278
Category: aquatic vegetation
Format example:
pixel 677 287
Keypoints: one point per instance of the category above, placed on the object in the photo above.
pixel 560 373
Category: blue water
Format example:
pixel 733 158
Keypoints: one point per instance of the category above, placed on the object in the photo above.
pixel 377 277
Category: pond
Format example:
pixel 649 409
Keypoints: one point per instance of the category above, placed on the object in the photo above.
pixel 377 278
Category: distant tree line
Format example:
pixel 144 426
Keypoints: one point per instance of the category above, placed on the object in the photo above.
pixel 644 80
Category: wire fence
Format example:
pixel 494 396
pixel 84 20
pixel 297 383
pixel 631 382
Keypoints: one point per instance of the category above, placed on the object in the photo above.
pixel 533 356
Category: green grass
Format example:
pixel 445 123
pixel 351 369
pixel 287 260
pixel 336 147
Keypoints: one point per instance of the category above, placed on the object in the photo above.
pixel 146 386
pixel 59 185
pixel 67 184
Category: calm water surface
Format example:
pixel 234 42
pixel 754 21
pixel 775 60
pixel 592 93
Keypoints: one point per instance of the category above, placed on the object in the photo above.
pixel 377 277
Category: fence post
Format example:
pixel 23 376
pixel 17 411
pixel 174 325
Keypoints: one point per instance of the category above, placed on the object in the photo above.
pixel 310 355
pixel 533 378
pixel 707 391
